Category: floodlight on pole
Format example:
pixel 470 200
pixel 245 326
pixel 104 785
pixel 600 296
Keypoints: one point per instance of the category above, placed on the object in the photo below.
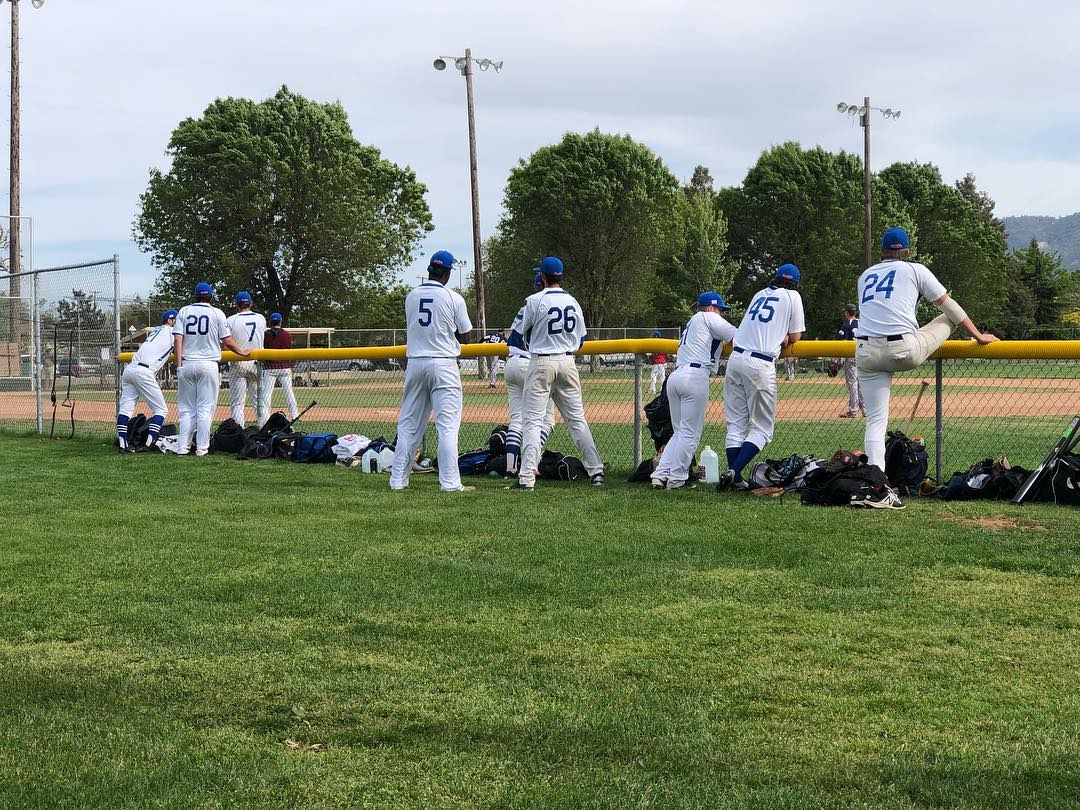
pixel 439 64
pixel 465 65
pixel 864 121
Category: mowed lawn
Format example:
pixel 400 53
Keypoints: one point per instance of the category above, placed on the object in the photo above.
pixel 207 632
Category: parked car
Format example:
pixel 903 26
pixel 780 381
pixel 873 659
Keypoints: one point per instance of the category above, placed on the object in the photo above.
pixel 77 366
pixel 353 364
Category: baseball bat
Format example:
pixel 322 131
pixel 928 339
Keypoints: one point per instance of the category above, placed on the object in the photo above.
pixel 922 390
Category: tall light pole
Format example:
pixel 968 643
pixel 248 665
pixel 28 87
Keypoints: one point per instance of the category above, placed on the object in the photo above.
pixel 864 121
pixel 465 65
pixel 14 235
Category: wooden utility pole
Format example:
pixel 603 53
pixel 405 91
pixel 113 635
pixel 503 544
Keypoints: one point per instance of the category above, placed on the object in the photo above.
pixel 14 242
pixel 867 222
pixel 478 268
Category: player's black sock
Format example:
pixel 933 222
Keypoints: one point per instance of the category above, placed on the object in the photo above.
pixel 746 454
pixel 732 455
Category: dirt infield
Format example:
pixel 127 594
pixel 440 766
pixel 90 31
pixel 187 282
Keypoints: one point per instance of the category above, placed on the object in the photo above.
pixel 1062 398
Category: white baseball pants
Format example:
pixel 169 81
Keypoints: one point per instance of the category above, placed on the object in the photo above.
pixel 877 358
pixel 493 370
pixel 851 379
pixel 243 381
pixel 656 378
pixel 431 383
pixel 139 381
pixel 749 400
pixel 554 378
pixel 515 373
pixel 267 380
pixel 196 397
pixel 688 397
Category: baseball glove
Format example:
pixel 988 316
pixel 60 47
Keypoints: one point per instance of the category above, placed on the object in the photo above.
pixel 834 368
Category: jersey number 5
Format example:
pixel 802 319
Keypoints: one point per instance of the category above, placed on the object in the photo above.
pixel 762 310
pixel 425 313
pixel 562 320
pixel 883 286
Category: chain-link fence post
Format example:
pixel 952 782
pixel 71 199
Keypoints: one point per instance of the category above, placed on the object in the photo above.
pixel 35 353
pixel 637 410
pixel 939 428
pixel 116 330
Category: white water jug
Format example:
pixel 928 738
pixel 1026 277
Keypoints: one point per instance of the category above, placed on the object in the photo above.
pixel 711 462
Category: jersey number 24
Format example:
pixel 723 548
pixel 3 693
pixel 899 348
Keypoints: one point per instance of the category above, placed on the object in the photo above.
pixel 883 286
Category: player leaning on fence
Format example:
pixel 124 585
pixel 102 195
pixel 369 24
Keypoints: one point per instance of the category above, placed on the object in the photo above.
pixel 889 338
pixel 437 323
pixel 140 380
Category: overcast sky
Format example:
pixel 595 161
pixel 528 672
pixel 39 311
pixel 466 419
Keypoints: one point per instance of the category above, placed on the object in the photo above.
pixel 986 87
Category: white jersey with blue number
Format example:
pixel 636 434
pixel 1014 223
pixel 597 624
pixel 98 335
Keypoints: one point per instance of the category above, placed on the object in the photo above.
pixel 773 314
pixel 248 329
pixel 203 327
pixel 889 294
pixel 701 340
pixel 552 322
pixel 156 349
pixel 434 316
pixel 516 341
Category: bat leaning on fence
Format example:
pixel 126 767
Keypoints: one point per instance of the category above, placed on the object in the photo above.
pixel 918 400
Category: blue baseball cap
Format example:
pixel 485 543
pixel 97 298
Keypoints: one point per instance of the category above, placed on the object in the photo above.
pixel 895 239
pixel 169 313
pixel 551 266
pixel 709 299
pixel 275 316
pixel 203 288
pixel 537 281
pixel 243 297
pixel 788 272
pixel 442 260
pixel 657 333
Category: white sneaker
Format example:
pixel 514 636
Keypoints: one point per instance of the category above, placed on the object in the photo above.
pixel 657 483
pixel 462 488
pixel 890 501
pixel 201 452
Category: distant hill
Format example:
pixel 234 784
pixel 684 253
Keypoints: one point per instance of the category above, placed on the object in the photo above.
pixel 1058 234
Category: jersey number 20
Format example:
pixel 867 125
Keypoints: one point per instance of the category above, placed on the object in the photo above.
pixel 562 320
pixel 197 325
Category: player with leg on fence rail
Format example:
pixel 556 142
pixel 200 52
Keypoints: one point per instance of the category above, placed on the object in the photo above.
pixel 437 323
pixel 553 326
pixel 199 333
pixel 688 389
pixel 140 380
pixel 515 373
pixel 248 328
pixel 890 338
pixel 276 372
pixel 773 321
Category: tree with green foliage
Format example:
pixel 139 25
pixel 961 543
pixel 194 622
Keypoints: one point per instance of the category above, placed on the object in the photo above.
pixel 278 197
pixel 604 204
pixel 1038 279
pixel 804 206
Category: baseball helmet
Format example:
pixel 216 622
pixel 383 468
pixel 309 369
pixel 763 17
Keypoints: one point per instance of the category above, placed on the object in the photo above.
pixel 243 297
pixel 787 272
pixel 551 266
pixel 657 333
pixel 712 299
pixel 851 309
pixel 204 288
pixel 167 314
pixel 441 260
pixel 895 239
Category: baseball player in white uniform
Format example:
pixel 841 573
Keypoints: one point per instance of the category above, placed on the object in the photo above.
pixel 688 389
pixel 889 338
pixel 247 329
pixel 199 333
pixel 553 327
pixel 515 373
pixel 140 380
pixel 773 321
pixel 494 338
pixel 436 322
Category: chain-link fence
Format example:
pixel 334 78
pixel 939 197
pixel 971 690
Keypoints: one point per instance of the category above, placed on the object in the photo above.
pixel 63 330
pixel 970 408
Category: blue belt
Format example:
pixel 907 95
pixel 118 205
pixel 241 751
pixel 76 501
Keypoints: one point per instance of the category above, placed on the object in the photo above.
pixel 757 355
pixel 557 354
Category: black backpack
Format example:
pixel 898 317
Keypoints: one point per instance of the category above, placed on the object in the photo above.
pixel 1062 483
pixel 229 437
pixel 276 423
pixel 906 463
pixel 658 418
pixel 842 481
pixel 557 467
pixel 497 440
pixel 987 480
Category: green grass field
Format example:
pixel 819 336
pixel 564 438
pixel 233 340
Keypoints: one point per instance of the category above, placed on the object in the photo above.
pixel 207 632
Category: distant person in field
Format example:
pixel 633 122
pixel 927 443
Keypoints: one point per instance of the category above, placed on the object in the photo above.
pixel 276 372
pixel 436 323
pixel 658 370
pixel 889 337
pixel 199 332
pixel 140 380
pixel 248 328
pixel 494 362
pixel 851 377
